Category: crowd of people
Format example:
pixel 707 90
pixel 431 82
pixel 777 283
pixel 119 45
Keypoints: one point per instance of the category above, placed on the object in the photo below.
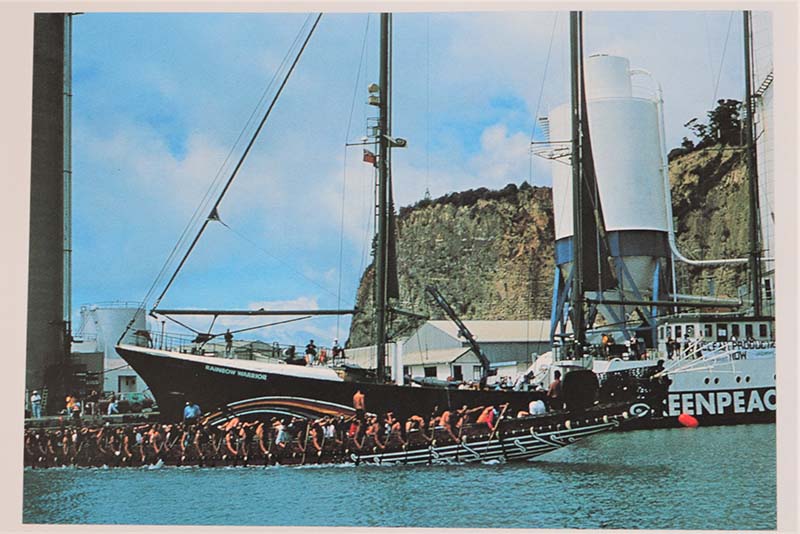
pixel 194 441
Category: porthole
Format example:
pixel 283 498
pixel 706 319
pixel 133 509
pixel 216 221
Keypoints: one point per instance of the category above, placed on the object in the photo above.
pixel 774 377
pixel 716 380
pixel 707 380
pixel 738 379
pixel 747 379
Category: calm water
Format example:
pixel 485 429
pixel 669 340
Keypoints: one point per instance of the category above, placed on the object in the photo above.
pixel 705 478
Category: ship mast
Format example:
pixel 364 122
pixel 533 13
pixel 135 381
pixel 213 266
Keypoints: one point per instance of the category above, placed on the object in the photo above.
pixel 576 68
pixel 755 245
pixel 381 250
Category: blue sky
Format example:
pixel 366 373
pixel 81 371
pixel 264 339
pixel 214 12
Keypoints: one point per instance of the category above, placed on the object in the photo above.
pixel 159 100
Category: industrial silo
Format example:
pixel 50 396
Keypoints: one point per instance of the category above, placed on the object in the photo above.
pixel 626 135
pixel 105 323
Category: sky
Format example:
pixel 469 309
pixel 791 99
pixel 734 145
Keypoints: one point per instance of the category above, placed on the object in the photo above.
pixel 159 101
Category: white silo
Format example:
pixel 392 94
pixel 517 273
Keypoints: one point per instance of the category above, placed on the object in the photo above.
pixel 104 324
pixel 625 131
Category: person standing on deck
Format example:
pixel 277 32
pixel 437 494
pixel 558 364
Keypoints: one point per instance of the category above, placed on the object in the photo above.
pixel 554 392
pixel 228 344
pixel 191 413
pixel 311 352
pixel 36 404
pixel 359 403
pixel 336 350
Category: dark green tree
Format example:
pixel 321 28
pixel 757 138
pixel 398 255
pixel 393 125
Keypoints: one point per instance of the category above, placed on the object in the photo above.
pixel 724 122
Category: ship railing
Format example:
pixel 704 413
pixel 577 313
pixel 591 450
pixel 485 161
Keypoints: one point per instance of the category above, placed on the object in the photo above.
pixel 705 356
pixel 217 347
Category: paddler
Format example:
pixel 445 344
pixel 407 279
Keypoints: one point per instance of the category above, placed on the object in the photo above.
pixel 487 417
pixel 447 420
pixel 415 422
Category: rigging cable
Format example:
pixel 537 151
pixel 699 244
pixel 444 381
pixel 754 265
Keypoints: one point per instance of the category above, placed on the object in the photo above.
pixel 710 54
pixel 539 101
pixel 206 200
pixel 276 258
pixel 428 106
pixel 344 172
pixel 195 218
pixel 722 60
pixel 213 212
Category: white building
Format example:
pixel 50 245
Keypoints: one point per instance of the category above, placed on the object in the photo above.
pixel 436 350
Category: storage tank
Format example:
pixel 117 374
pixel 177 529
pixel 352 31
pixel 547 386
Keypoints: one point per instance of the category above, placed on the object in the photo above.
pixel 625 132
pixel 106 323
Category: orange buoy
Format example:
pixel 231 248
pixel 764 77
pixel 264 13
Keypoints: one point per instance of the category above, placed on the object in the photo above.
pixel 687 420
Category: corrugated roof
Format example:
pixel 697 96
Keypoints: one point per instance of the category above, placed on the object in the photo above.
pixel 500 331
pixel 435 356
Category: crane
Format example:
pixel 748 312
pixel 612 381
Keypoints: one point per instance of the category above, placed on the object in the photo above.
pixel 463 331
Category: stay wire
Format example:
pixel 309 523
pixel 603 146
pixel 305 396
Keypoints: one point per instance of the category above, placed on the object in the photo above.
pixel 539 100
pixel 283 262
pixel 241 160
pixel 428 104
pixel 722 60
pixel 202 206
pixel 344 172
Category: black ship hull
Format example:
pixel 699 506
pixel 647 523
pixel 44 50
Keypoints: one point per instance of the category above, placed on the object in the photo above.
pixel 244 388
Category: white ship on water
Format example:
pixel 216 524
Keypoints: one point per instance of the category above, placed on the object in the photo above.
pixel 721 363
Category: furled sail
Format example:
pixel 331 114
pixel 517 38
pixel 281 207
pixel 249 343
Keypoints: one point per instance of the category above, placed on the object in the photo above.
pixel 597 272
pixel 392 282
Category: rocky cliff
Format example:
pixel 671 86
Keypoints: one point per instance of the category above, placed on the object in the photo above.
pixel 490 253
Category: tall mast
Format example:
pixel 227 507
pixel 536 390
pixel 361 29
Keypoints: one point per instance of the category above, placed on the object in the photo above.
pixel 755 245
pixel 381 250
pixel 576 68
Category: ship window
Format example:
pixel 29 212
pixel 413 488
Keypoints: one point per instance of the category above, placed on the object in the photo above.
pixel 762 330
pixel 722 332
pixel 735 330
pixel 707 380
pixel 406 370
pixel 716 380
pixel 738 379
pixel 768 288
pixel 748 330
pixel 430 372
pixel 747 379
pixel 678 330
pixel 708 330
pixel 690 331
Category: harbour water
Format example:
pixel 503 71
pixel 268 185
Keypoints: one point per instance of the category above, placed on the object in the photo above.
pixel 704 478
